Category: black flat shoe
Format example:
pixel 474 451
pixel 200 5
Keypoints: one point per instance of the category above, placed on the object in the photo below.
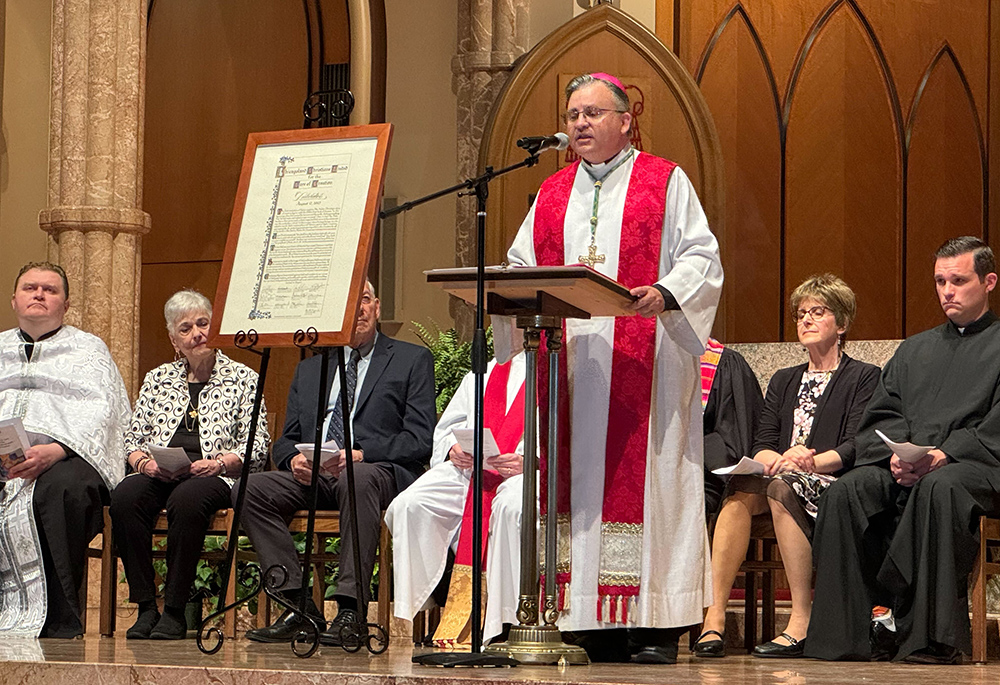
pixel 776 650
pixel 710 648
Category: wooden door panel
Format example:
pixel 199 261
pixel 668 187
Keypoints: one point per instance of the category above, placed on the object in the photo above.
pixel 945 183
pixel 843 187
pixel 737 85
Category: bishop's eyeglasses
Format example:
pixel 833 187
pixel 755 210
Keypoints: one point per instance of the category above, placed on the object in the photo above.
pixel 591 114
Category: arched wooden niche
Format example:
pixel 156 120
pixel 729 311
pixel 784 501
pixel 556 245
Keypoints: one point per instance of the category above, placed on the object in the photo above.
pixel 673 118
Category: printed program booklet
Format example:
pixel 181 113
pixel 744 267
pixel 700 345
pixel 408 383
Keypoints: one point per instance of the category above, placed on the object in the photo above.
pixel 13 443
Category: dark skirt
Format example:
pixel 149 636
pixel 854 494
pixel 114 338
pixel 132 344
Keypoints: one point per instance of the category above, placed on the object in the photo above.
pixel 797 491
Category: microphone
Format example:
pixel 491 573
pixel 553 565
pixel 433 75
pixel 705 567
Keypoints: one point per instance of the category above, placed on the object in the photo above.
pixel 536 144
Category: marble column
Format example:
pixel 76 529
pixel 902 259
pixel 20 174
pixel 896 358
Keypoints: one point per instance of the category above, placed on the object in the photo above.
pixel 94 217
pixel 491 35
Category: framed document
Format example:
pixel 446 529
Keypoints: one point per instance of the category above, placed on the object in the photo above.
pixel 301 234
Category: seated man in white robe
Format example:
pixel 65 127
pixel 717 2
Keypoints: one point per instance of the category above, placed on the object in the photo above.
pixel 434 514
pixel 65 388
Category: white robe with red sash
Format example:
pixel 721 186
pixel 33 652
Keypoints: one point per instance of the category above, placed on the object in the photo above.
pixel 426 519
pixel 675 582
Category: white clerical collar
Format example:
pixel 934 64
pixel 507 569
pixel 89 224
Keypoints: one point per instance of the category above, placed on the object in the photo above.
pixel 598 170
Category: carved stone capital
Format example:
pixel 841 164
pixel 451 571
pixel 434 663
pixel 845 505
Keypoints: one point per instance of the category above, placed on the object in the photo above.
pixel 54 220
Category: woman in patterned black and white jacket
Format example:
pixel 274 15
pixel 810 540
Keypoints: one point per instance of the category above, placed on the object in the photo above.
pixel 201 402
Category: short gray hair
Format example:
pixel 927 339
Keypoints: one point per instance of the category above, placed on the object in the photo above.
pixel 183 302
pixel 619 95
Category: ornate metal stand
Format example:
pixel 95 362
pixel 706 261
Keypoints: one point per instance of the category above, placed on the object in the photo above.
pixel 531 642
pixel 244 340
pixel 305 643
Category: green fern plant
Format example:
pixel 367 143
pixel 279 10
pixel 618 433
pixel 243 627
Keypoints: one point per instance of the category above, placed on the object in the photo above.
pixel 452 358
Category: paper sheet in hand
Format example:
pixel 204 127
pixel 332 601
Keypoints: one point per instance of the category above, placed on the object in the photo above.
pixel 745 467
pixel 463 436
pixel 906 451
pixel 13 443
pixel 172 460
pixel 328 450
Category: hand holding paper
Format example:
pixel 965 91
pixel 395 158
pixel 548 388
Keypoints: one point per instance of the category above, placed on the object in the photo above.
pixel 906 451
pixel 329 450
pixel 172 461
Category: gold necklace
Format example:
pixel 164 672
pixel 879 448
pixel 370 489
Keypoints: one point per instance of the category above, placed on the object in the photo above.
pixel 190 414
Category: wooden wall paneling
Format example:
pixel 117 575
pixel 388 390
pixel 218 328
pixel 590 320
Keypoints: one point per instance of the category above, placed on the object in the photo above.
pixel 993 128
pixel 912 33
pixel 736 79
pixel 843 188
pixel 946 190
pixel 215 72
pixel 782 25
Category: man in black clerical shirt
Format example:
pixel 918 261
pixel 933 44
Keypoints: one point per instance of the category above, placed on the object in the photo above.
pixel 903 534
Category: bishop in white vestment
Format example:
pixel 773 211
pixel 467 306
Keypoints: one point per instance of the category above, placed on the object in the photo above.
pixel 635 415
pixel 66 389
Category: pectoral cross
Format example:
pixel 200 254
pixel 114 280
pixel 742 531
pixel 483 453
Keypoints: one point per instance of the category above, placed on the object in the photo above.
pixel 592 257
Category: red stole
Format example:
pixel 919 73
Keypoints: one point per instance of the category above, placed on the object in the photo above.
pixel 507 427
pixel 632 365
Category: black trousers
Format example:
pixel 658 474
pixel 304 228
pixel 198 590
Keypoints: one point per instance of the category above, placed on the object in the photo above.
pixel 190 505
pixel 68 505
pixel 910 549
pixel 273 497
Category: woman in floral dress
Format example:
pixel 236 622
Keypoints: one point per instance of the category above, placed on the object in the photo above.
pixel 804 441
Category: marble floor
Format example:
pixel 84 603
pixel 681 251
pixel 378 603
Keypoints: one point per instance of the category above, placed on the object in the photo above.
pixel 107 661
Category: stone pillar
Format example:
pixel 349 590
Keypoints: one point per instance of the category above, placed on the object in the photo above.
pixel 491 35
pixel 94 217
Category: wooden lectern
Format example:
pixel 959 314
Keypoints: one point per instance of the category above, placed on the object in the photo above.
pixel 539 298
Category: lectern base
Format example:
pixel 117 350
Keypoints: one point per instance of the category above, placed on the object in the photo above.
pixel 541 645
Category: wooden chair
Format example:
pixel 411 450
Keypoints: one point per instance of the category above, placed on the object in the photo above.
pixel 327 526
pixel 761 561
pixel 219 525
pixel 989 535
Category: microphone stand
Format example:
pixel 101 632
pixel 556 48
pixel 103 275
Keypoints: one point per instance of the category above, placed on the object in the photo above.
pixel 478 186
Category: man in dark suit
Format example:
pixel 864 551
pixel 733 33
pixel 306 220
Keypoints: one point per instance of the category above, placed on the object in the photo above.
pixel 392 419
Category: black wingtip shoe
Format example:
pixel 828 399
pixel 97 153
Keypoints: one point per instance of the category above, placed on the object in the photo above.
pixel 288 625
pixel 344 629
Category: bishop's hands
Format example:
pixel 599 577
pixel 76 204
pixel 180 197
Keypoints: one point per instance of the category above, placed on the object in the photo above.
pixel 907 474
pixel 37 460
pixel 302 467
pixel 649 301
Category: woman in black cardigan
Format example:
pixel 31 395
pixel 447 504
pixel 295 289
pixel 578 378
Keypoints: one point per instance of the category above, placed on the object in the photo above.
pixel 804 441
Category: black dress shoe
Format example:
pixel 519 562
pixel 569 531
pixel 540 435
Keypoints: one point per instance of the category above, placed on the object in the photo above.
pixel 143 625
pixel 169 628
pixel 776 650
pixel 710 648
pixel 288 625
pixel 655 655
pixel 935 655
pixel 344 630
